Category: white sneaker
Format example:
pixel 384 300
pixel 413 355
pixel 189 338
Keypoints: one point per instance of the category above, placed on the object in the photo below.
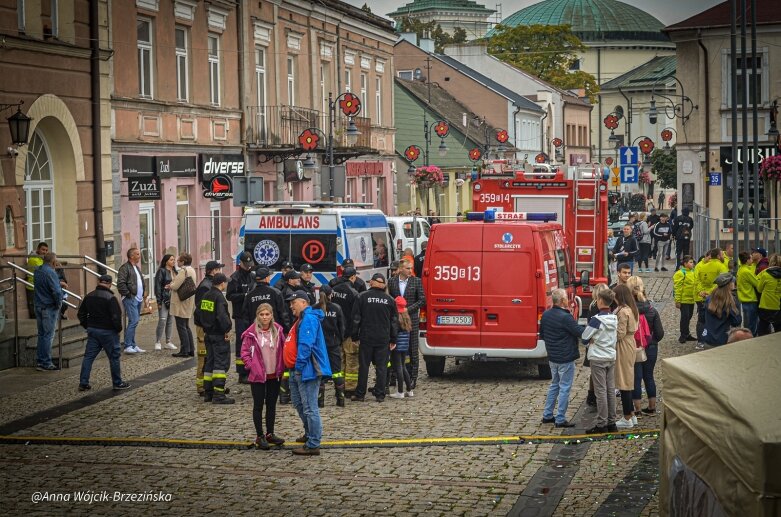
pixel 131 350
pixel 139 349
pixel 397 395
pixel 623 423
pixel 158 346
pixel 634 419
pixel 409 394
pixel 170 346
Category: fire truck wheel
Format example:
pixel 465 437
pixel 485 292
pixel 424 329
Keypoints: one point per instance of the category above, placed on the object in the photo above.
pixel 435 366
pixel 543 371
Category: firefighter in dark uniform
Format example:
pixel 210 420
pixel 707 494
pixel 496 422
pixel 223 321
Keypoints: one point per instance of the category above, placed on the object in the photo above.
pixel 286 266
pixel 212 268
pixel 375 326
pixel 292 284
pixel 333 330
pixel 306 283
pixel 216 323
pixel 241 281
pixel 359 285
pixel 264 293
pixel 344 296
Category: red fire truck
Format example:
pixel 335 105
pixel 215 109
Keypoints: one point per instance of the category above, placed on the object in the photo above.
pixel 579 199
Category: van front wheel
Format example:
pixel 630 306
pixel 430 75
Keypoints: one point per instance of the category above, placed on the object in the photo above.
pixel 435 366
pixel 543 371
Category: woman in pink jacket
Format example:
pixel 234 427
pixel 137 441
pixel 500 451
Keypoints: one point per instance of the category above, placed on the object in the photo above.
pixel 261 351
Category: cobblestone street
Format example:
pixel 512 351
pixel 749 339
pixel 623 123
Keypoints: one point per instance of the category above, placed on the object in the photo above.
pixel 493 402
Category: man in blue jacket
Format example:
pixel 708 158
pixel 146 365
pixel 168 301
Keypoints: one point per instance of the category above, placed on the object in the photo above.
pixel 48 299
pixel 311 364
pixel 561 333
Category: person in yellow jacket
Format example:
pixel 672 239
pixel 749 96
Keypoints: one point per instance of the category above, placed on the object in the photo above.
pixel 728 255
pixel 769 285
pixel 707 270
pixel 685 285
pixel 34 262
pixel 747 290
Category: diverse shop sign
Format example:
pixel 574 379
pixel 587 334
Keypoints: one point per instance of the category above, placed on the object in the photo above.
pixel 216 171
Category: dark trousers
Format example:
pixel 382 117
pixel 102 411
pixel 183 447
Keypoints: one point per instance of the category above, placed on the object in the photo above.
pixel 645 252
pixel 264 393
pixel 218 360
pixel 681 248
pixel 31 303
pixel 335 360
pixel 687 310
pixel 97 340
pixel 367 354
pixel 627 407
pixel 413 365
pixel 700 319
pixel 654 247
pixel 186 342
pixel 645 372
pixel 402 375
pixel 769 322
pixel 240 326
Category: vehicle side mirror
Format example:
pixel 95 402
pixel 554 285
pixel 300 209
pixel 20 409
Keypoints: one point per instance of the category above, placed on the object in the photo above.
pixel 585 278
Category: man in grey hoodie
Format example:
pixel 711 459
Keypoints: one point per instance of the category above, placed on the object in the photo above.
pixel 601 333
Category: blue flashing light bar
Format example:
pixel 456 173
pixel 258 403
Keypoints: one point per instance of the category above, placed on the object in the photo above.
pixel 490 216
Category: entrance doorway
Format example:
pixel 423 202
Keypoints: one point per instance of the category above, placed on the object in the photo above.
pixel 146 243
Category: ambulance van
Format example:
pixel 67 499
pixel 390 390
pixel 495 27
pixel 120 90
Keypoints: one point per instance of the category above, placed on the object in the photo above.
pixel 487 284
pixel 320 234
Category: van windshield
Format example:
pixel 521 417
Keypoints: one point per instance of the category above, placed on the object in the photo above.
pixel 271 249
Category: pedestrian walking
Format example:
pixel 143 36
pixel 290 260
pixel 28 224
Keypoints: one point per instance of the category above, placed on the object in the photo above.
pixel 660 201
pixel 48 298
pixel 212 268
pixel 769 287
pixel 626 249
pixel 400 350
pixel 344 296
pixel 182 310
pixel 165 322
pixel 642 233
pixel 644 371
pixel 685 295
pixel 101 315
pixel 683 226
pixel 262 347
pixel 241 281
pixel 652 220
pixel 411 288
pixel 374 329
pixel 216 323
pixel 306 358
pixel 561 334
pixel 34 261
pixel 130 284
pixel 333 331
pixel 721 311
pixel 628 319
pixel 601 335
pixel 662 233
pixel 262 293
pixel 747 291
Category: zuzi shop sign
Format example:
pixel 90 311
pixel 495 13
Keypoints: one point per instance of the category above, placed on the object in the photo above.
pixel 143 188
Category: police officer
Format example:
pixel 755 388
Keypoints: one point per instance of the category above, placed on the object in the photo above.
pixel 216 325
pixel 241 281
pixel 212 268
pixel 344 296
pixel 333 330
pixel 359 285
pixel 375 322
pixel 264 293
pixel 306 272
pixel 286 266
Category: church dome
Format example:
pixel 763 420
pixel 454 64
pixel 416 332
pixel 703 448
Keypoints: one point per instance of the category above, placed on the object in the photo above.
pixel 592 20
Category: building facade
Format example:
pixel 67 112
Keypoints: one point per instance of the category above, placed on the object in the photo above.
pixel 468 15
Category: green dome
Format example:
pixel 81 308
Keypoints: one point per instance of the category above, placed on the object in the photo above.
pixel 592 20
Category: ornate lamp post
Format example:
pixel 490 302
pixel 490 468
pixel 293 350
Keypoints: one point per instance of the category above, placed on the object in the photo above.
pixel 481 151
pixel 680 106
pixel 309 139
pixel 18 124
pixel 667 135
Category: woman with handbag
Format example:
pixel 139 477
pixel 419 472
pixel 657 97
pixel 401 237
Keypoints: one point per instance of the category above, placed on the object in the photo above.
pixel 163 278
pixel 183 304
pixel 628 318
pixel 644 371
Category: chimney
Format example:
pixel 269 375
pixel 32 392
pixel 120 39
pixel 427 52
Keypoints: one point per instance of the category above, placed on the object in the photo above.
pixel 426 44
pixel 409 36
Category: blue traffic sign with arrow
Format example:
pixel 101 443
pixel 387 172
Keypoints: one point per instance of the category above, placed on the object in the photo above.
pixel 629 155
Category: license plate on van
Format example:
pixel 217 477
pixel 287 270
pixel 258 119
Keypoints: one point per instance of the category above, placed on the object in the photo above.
pixel 454 320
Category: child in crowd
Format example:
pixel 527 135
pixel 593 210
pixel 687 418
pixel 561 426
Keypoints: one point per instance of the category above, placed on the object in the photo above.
pixel 593 310
pixel 684 291
pixel 600 335
pixel 400 350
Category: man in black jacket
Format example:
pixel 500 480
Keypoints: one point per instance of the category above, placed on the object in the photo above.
pixel 683 225
pixel 212 268
pixel 626 249
pixel 411 288
pixel 561 333
pixel 101 315
pixel 374 329
pixel 306 272
pixel 358 284
pixel 216 323
pixel 419 259
pixel 344 296
pixel 264 293
pixel 241 281
pixel 662 233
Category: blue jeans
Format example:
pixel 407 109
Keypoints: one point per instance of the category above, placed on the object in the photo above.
pixel 46 319
pixel 97 340
pixel 133 314
pixel 645 372
pixel 303 395
pixel 561 382
pixel 750 315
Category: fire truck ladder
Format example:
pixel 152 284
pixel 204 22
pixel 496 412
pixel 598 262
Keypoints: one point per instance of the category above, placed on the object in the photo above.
pixel 586 207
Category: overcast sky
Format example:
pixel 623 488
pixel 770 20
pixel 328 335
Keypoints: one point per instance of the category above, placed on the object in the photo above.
pixel 667 11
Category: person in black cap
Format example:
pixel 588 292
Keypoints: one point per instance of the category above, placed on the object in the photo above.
pixel 721 311
pixel 358 284
pixel 759 257
pixel 333 331
pixel 374 329
pixel 212 268
pixel 216 325
pixel 393 269
pixel 286 266
pixel 241 281
pixel 306 272
pixel 101 315
pixel 344 296
pixel 683 225
pixel 262 292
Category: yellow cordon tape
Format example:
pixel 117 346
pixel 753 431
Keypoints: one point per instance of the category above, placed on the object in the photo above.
pixel 571 439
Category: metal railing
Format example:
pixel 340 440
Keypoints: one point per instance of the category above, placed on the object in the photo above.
pixel 712 232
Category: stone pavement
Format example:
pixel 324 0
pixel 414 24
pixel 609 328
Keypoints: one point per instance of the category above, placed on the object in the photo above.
pixel 472 400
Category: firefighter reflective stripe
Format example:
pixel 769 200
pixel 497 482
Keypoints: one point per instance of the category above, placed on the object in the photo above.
pixel 207 377
pixel 207 305
pixel 286 375
pixel 351 377
pixel 337 375
pixel 239 361
pixel 202 351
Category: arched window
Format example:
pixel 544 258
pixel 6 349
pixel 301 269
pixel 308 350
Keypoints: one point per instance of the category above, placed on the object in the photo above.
pixel 39 194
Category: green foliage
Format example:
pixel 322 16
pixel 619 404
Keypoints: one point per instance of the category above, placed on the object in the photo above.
pixel 434 31
pixel 665 166
pixel 546 51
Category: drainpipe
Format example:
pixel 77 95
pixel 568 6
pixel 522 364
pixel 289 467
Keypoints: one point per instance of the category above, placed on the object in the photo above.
pixel 564 127
pixel 97 153
pixel 628 116
pixel 242 71
pixel 599 101
pixel 542 129
pixel 706 61
pixel 515 129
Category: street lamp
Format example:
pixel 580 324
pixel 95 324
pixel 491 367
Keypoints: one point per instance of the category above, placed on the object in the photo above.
pixel 482 151
pixel 441 128
pixel 680 109
pixel 558 145
pixel 646 147
pixel 309 139
pixel 18 123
